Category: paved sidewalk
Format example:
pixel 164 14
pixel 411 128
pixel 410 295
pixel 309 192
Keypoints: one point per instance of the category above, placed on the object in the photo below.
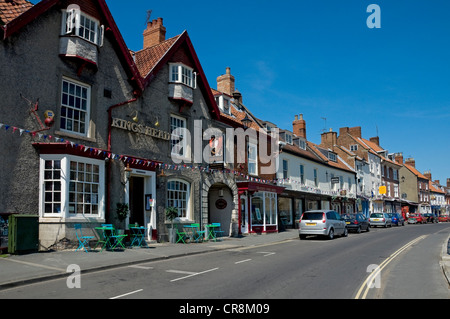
pixel 16 270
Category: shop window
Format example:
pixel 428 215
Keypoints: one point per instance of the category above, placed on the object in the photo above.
pixel 285 210
pixel 73 186
pixel 178 193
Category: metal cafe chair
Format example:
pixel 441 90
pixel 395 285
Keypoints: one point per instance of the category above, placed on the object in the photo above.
pixel 83 241
pixel 112 238
pixel 197 234
pixel 181 236
pixel 218 232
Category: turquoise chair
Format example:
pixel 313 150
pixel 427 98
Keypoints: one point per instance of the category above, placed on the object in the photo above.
pixel 197 233
pixel 218 232
pixel 83 241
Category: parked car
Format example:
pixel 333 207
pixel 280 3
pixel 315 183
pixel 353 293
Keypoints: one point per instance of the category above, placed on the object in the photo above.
pixel 415 219
pixel 323 223
pixel 380 219
pixel 397 219
pixel 443 219
pixel 429 218
pixel 356 222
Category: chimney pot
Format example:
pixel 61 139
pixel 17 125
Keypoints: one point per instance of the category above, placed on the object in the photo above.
pixel 225 83
pixel 155 33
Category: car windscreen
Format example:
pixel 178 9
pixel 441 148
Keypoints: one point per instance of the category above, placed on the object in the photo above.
pixel 376 215
pixel 312 216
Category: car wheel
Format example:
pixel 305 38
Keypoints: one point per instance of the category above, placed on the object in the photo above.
pixel 331 234
pixel 368 228
pixel 345 234
pixel 302 236
pixel 358 230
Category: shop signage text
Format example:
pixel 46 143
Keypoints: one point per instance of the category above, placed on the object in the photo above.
pixel 140 129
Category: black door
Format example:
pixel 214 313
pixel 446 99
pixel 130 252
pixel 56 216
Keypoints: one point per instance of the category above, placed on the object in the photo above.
pixel 136 200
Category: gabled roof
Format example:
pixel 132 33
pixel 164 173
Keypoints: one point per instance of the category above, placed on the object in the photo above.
pixel 21 18
pixel 414 171
pixel 339 164
pixel 151 60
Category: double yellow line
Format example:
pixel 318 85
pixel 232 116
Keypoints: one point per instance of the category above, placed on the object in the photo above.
pixel 368 283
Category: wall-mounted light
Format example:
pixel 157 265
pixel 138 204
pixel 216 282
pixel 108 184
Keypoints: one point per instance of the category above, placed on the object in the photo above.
pixel 127 170
pixel 135 118
pixel 246 121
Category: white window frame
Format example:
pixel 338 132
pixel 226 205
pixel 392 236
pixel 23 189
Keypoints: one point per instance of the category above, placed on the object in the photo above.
pixel 74 22
pixel 252 149
pixel 71 108
pixel 177 201
pixel 65 180
pixel 178 131
pixel 285 168
pixel 180 73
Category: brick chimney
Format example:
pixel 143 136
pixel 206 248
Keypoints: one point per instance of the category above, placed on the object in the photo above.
pixel 354 131
pixel 225 83
pixel 448 182
pixel 427 174
pixel 299 126
pixel 411 162
pixel 399 158
pixel 155 33
pixel 329 139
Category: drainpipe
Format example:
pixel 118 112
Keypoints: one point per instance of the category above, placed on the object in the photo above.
pixel 108 188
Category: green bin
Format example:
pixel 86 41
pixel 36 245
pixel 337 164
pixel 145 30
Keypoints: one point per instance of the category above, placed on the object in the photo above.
pixel 23 234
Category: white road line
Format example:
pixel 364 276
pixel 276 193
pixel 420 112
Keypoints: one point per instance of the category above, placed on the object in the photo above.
pixel 129 293
pixel 140 267
pixel 266 253
pixel 242 261
pixel 181 272
pixel 195 274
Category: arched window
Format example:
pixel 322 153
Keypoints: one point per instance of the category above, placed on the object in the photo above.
pixel 178 194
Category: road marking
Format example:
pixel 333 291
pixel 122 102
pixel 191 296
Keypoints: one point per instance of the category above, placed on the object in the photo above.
pixel 242 261
pixel 368 282
pixel 140 267
pixel 266 253
pixel 194 274
pixel 181 272
pixel 128 293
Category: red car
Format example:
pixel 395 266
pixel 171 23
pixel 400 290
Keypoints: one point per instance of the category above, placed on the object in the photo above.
pixel 443 219
pixel 416 219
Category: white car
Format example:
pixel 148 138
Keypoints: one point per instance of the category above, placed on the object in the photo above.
pixel 380 219
pixel 323 223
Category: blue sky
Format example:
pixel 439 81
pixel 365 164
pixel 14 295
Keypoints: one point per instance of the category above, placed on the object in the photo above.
pixel 320 59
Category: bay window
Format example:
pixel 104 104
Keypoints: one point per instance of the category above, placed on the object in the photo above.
pixel 180 73
pixel 71 186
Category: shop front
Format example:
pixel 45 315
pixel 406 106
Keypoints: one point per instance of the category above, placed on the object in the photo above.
pixel 258 207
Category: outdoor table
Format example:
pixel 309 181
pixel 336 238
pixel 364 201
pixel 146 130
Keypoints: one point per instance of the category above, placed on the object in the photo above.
pixel 138 236
pixel 210 231
pixel 110 239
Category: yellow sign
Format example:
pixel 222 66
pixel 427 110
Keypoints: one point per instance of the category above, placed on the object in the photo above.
pixel 382 190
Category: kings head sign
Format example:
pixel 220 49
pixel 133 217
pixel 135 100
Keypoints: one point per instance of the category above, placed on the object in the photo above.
pixel 140 129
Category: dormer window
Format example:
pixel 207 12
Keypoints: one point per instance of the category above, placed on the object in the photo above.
pixel 180 73
pixel 288 138
pixel 332 156
pixel 223 102
pixel 77 23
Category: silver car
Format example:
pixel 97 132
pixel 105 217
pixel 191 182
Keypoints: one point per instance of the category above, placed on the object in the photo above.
pixel 322 222
pixel 380 219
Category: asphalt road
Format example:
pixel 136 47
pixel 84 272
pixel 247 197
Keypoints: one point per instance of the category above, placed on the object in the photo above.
pixel 407 259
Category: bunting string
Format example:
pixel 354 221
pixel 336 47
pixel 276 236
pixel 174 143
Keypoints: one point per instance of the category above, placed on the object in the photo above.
pixel 293 183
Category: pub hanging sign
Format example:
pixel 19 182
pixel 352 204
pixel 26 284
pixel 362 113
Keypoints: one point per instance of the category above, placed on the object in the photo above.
pixel 139 129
